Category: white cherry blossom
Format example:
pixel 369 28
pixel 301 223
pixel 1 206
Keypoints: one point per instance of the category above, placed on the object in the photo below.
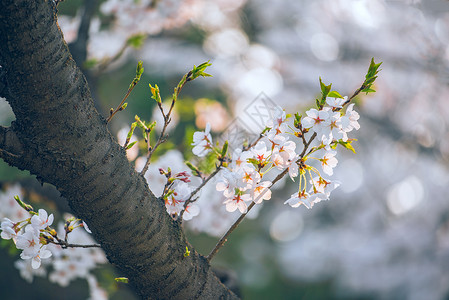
pixel 202 140
pixel 349 120
pixel 42 220
pixel 237 201
pixel 323 186
pixel 260 191
pixel 336 102
pixel 329 162
pixel 316 120
pixel 8 231
pixel 239 158
pixel 192 210
pixel 332 129
pixel 28 242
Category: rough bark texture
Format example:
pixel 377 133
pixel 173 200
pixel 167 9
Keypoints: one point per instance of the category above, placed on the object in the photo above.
pixel 59 136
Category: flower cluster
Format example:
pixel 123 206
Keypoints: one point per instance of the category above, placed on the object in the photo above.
pixel 27 236
pixel 202 140
pixel 242 181
pixel 331 128
pixel 42 248
pixel 175 201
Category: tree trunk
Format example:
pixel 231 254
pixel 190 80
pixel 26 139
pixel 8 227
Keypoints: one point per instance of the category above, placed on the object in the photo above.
pixel 60 137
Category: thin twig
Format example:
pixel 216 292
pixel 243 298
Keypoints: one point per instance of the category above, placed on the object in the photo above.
pixel 121 103
pixel 68 245
pixel 223 240
pixel 162 138
pixel 189 200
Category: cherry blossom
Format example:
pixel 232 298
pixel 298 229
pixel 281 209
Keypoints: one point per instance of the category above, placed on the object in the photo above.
pixel 323 186
pixel 332 129
pixel 28 242
pixel 329 162
pixel 349 120
pixel 336 102
pixel 277 122
pixel 260 152
pixel 202 140
pixel 237 202
pixel 229 181
pixel 8 229
pixel 192 210
pixel 316 120
pixel 301 197
pixel 260 191
pixel 239 158
pixel 42 220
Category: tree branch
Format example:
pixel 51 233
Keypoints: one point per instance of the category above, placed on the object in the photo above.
pixel 68 145
pixel 79 47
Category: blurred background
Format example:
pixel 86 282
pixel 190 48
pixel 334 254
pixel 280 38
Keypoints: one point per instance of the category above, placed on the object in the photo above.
pixel 385 232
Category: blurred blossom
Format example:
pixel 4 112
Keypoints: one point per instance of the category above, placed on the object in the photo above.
pixel 157 116
pixel 69 26
pixel 324 47
pixel 405 195
pixel 213 112
pixel 225 43
pixel 133 152
pixel 286 226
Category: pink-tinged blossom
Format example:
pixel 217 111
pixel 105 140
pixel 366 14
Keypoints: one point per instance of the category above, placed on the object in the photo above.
pixel 202 140
pixel 8 229
pixel 293 169
pixel 239 158
pixel 28 242
pixel 250 176
pixel 260 152
pixel 316 119
pixel 349 120
pixel 336 102
pixel 237 202
pixel 192 210
pixel 175 202
pixel 332 129
pixel 283 154
pixel 329 162
pixel 36 260
pixel 301 197
pixel 260 191
pixel 277 122
pixel 27 272
pixel 323 186
pixel 42 220
pixel 229 181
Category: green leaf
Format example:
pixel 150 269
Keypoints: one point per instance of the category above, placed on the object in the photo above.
pixel 348 145
pixel 334 94
pixel 136 41
pixel 155 93
pixel 194 169
pixel 325 89
pixel 90 63
pixel 297 121
pixel 224 150
pixel 130 145
pixel 199 71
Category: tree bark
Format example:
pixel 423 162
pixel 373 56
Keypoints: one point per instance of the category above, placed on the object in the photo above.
pixel 60 137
